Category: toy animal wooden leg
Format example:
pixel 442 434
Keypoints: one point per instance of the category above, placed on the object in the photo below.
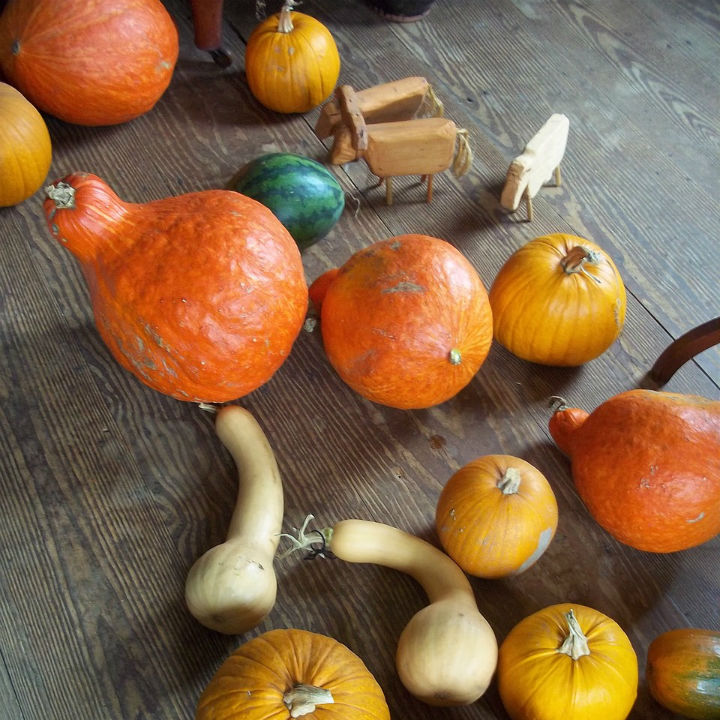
pixel 685 348
pixel 207 24
pixel 388 191
pixel 528 205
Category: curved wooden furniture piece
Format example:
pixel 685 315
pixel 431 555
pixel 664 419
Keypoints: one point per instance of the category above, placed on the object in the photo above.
pixel 685 348
pixel 207 24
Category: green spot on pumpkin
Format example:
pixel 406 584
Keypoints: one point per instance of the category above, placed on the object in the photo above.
pixel 455 357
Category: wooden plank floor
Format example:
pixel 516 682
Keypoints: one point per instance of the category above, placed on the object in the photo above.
pixel 110 491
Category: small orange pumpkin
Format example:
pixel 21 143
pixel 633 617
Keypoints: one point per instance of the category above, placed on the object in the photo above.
pixel 683 672
pixel 496 516
pixel 89 62
pixel 567 662
pixel 647 466
pixel 406 321
pixel 25 147
pixel 291 61
pixel 558 300
pixel 292 673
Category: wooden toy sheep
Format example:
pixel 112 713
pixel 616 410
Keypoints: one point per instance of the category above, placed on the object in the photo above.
pixel 538 162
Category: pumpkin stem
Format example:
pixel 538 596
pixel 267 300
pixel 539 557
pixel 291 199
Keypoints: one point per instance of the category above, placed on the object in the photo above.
pixel 575 259
pixel 509 483
pixel 62 194
pixel 575 644
pixel 302 699
pixel 557 403
pixel 285 23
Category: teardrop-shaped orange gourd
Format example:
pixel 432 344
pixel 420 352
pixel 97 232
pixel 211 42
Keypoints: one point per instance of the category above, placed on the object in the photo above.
pixel 647 466
pixel 201 295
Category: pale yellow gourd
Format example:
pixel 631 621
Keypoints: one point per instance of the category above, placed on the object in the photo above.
pixel 447 653
pixel 232 587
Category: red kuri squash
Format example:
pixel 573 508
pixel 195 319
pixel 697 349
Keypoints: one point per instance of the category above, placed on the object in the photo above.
pixel 89 62
pixel 201 296
pixel 647 466
pixel 406 321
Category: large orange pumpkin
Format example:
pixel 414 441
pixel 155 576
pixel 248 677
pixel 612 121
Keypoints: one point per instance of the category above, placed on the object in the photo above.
pixel 291 61
pixel 292 673
pixel 496 516
pixel 201 296
pixel 558 300
pixel 567 662
pixel 25 147
pixel 406 321
pixel 647 466
pixel 89 62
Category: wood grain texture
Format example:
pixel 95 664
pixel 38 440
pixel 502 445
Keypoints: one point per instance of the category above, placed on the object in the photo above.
pixel 110 491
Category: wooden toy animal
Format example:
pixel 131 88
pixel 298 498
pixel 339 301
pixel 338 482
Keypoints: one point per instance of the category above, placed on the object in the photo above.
pixel 422 146
pixel 541 158
pixel 389 102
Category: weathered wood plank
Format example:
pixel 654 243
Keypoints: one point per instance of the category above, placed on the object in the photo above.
pixel 110 491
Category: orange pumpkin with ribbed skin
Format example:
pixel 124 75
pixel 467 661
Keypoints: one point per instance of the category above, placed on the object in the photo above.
pixel 647 466
pixel 291 62
pixel 201 295
pixel 558 300
pixel 496 516
pixel 406 321
pixel 89 62
pixel 567 662
pixel 272 675
pixel 683 672
pixel 25 147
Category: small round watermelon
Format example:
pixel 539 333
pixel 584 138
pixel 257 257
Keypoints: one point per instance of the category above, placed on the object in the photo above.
pixel 301 193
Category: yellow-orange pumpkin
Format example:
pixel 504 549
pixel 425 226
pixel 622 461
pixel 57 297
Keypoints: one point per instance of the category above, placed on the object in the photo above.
pixel 567 662
pixel 291 61
pixel 405 321
pixel 292 673
pixel 89 62
pixel 496 516
pixel 25 147
pixel 558 300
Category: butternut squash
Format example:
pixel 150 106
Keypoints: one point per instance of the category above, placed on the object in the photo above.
pixel 447 653
pixel 232 587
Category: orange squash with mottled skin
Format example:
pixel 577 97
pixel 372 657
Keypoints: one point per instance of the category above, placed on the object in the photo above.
pixel 89 62
pixel 647 466
pixel 406 321
pixel 201 295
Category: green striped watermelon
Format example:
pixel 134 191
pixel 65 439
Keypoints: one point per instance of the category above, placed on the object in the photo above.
pixel 301 193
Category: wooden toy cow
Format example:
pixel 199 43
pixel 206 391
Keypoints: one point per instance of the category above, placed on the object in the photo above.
pixel 420 146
